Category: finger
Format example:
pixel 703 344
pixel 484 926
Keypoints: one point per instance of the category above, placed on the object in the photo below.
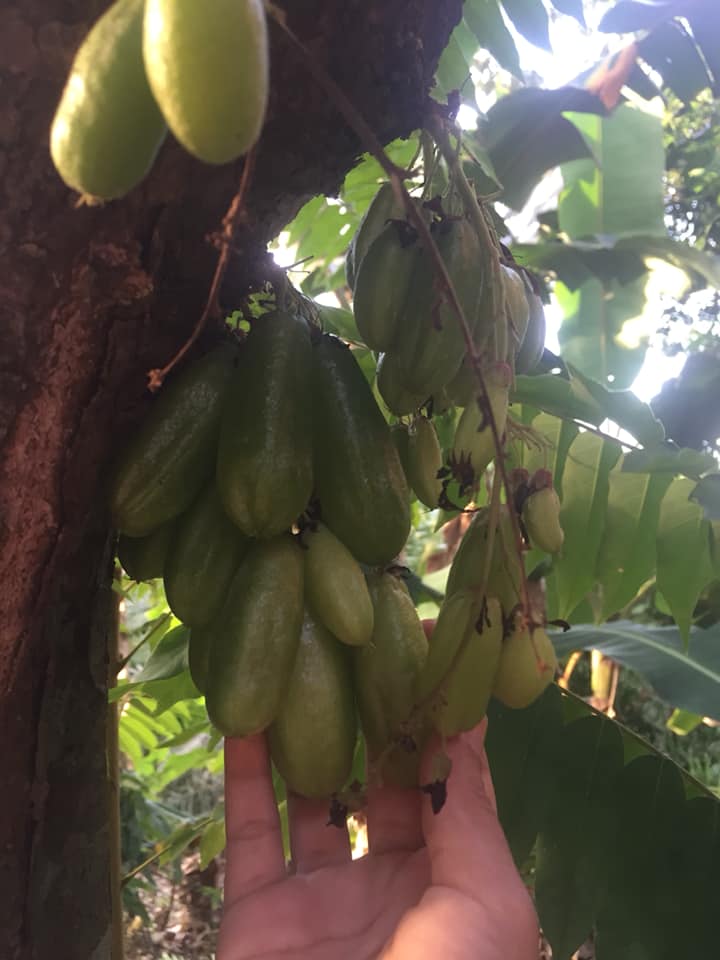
pixel 314 844
pixel 254 855
pixel 394 819
pixel 465 839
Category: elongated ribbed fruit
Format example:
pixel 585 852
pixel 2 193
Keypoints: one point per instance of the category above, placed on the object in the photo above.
pixel 527 667
pixel 312 739
pixel 264 467
pixel 207 64
pixel 107 128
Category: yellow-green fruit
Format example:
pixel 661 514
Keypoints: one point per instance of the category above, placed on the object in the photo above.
pixel 207 64
pixel 397 398
pixel 254 639
pixel 358 476
pixel 458 610
pixel 533 343
pixel 474 443
pixel 172 455
pixel 505 574
pixel 107 128
pixel 466 693
pixel 527 667
pixel 199 655
pixel 312 739
pixel 264 466
pixel 424 461
pixel 143 558
pixel 384 206
pixel 430 345
pixel 386 672
pixel 541 515
pixel 202 559
pixel 401 439
pixel 382 284
pixel 335 587
pixel 516 302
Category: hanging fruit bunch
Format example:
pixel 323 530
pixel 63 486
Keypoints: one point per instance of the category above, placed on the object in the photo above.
pixel 268 487
pixel 200 69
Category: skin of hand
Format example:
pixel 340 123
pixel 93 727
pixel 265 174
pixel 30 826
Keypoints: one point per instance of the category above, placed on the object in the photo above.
pixel 436 886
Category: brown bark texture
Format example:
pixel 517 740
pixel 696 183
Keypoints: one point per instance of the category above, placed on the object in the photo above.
pixel 90 299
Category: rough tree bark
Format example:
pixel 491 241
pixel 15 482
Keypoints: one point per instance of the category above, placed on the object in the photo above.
pixel 90 299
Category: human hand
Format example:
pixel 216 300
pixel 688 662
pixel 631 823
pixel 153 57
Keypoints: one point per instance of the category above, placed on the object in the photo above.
pixel 436 886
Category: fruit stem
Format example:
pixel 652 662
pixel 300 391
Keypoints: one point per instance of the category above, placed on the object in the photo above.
pixel 212 307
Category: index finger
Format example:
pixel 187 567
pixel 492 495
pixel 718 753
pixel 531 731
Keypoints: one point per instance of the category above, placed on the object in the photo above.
pixel 254 853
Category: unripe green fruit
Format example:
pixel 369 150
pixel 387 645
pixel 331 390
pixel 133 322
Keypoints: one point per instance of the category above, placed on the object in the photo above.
pixel 312 739
pixel 397 398
pixel 466 692
pixel 107 128
pixel 207 64
pixel 533 343
pixel 382 284
pixel 386 672
pixel 204 555
pixel 541 516
pixel 474 443
pixel 265 453
pixel 383 207
pixel 172 456
pixel 359 480
pixel 335 587
pixel 143 558
pixel 527 667
pixel 506 570
pixel 424 461
pixel 516 302
pixel 254 638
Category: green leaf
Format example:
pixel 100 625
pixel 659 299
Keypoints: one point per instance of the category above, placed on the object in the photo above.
pixel 682 722
pixel 705 27
pixel 453 71
pixel 486 22
pixel 530 19
pixel 573 8
pixel 591 334
pixel 168 658
pixel 683 552
pixel 576 833
pixel 625 409
pixel 623 194
pixel 212 842
pixel 667 458
pixel 519 746
pixel 701 266
pixel 559 396
pixel 575 263
pixel 689 679
pixel 697 845
pixel 707 494
pixel 526 134
pixel 628 16
pixel 180 839
pixel 627 551
pixel 642 912
pixel 670 50
pixel 584 505
pixel 559 434
pixel 338 321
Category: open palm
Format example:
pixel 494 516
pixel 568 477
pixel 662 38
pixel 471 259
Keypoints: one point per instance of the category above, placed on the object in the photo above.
pixel 431 886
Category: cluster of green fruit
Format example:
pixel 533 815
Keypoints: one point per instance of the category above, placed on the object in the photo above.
pixel 262 479
pixel 402 314
pixel 199 68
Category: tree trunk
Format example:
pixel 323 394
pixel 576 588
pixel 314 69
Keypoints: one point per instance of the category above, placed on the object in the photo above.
pixel 90 299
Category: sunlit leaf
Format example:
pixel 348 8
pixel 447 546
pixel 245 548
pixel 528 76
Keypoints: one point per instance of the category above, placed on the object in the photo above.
pixel 689 679
pixel 584 505
pixel 684 565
